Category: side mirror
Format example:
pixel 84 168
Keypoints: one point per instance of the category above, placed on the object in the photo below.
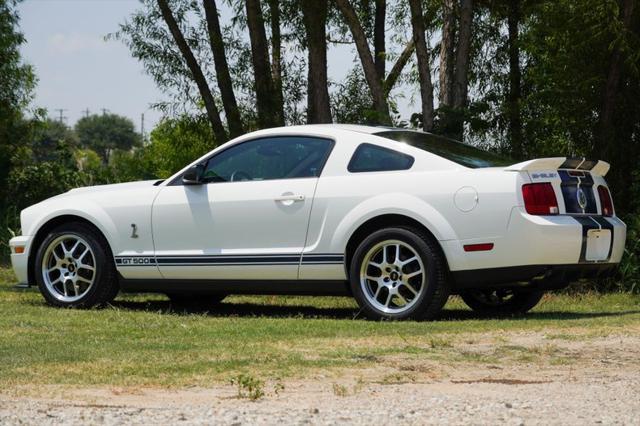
pixel 193 176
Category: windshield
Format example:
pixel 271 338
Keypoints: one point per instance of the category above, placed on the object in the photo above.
pixel 457 152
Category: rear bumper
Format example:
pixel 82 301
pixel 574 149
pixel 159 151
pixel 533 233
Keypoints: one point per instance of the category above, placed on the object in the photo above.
pixel 539 277
pixel 531 241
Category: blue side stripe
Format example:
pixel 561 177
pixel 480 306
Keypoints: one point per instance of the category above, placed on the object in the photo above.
pixel 207 260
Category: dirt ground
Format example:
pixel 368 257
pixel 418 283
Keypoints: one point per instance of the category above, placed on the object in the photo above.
pixel 540 380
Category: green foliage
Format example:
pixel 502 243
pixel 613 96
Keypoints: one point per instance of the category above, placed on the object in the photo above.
pixel 47 136
pixel 174 143
pixel 249 387
pixel 629 273
pixel 105 133
pixel 16 85
pixel 351 102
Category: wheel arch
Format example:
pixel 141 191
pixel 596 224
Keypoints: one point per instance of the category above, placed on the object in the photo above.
pixel 53 223
pixel 385 221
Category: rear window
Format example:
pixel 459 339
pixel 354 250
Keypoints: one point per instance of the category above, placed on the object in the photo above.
pixel 373 158
pixel 455 151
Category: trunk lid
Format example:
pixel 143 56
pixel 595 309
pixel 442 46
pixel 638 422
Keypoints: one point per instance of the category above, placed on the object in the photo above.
pixel 575 181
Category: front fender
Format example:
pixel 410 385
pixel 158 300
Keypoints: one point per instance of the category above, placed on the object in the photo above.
pixel 35 217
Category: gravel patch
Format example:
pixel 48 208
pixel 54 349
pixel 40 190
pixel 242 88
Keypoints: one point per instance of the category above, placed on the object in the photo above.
pixel 606 398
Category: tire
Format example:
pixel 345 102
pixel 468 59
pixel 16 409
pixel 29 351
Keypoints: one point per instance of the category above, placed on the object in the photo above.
pixel 501 302
pixel 384 296
pixel 196 299
pixel 90 278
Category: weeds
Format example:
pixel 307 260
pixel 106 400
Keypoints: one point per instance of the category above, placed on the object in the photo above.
pixel 249 387
pixel 340 390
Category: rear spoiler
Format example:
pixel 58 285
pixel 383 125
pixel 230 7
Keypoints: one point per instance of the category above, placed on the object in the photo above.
pixel 596 167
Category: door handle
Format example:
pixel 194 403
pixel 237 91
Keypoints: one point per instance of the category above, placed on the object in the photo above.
pixel 290 197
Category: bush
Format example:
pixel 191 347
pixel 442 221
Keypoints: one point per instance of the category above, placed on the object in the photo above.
pixel 629 272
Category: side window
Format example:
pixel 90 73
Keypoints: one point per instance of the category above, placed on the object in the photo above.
pixel 373 158
pixel 286 157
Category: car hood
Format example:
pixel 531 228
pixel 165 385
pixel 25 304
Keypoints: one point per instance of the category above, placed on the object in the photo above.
pixel 93 195
pixel 110 188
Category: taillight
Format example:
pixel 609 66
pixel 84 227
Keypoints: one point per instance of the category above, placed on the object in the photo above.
pixel 540 199
pixel 605 201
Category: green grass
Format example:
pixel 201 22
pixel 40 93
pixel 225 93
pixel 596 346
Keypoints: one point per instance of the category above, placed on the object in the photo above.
pixel 142 341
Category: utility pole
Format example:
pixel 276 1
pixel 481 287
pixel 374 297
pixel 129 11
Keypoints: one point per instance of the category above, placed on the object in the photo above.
pixel 86 112
pixel 61 116
pixel 142 127
pixel 104 111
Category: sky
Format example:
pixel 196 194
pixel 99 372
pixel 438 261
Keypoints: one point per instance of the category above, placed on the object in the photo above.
pixel 78 70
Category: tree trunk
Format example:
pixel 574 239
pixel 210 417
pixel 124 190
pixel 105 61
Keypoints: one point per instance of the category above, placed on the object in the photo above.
pixel 513 101
pixel 379 38
pixel 267 114
pixel 276 60
pixel 447 52
pixel 461 73
pixel 314 14
pixel 396 70
pixel 607 130
pixel 424 67
pixel 223 77
pixel 463 51
pixel 203 87
pixel 368 65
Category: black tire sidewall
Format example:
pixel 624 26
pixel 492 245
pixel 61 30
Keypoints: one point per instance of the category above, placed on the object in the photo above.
pixel 520 303
pixel 426 255
pixel 102 260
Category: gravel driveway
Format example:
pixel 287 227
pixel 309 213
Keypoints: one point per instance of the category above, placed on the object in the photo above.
pixel 602 386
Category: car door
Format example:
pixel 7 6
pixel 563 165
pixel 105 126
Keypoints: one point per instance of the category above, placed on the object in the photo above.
pixel 249 217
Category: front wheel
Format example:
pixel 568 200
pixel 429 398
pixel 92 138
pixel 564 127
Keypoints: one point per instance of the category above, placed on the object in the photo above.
pixel 399 273
pixel 74 267
pixel 502 301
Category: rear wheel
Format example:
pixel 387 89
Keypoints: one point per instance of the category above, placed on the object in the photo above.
pixel 399 273
pixel 502 301
pixel 74 267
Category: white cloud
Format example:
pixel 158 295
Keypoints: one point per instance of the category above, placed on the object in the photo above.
pixel 68 44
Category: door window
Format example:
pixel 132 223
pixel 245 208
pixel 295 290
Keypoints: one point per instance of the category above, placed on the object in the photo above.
pixel 286 157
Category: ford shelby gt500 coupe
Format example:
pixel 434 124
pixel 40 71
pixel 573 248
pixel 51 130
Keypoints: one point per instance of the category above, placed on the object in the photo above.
pixel 399 219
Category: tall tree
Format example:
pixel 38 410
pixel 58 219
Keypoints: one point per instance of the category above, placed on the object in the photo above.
pixel 447 52
pixel 379 36
pixel 424 65
pixel 203 87
pixel 611 89
pixel 376 85
pixel 455 52
pixel 314 14
pixel 463 55
pixel 16 85
pixel 106 133
pixel 269 112
pixel 225 84
pixel 515 92
pixel 276 58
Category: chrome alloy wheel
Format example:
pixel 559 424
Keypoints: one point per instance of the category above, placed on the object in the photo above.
pixel 69 268
pixel 392 276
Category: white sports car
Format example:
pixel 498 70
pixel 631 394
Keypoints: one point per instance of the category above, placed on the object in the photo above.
pixel 399 219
